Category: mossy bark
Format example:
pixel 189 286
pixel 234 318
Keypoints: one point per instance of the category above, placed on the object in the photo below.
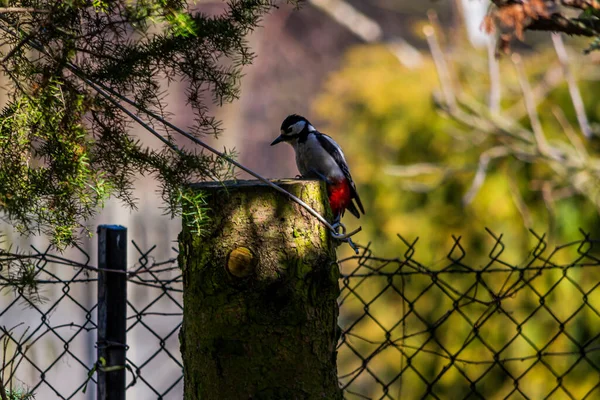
pixel 266 326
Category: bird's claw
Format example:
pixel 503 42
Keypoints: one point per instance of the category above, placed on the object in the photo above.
pixel 339 233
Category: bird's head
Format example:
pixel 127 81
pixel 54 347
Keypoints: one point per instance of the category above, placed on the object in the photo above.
pixel 292 127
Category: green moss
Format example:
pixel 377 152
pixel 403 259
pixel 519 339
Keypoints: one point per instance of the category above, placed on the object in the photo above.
pixel 303 240
pixel 301 269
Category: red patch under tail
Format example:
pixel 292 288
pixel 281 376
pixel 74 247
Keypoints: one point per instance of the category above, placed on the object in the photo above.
pixel 340 196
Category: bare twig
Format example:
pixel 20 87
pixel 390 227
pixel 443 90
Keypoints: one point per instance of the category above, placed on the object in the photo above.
pixel 478 117
pixel 408 55
pixel 495 83
pixel 441 67
pixel 440 172
pixel 550 80
pixel 6 10
pixel 346 15
pixel 563 58
pixel 534 118
pixel 413 170
pixel 484 161
pixel 572 168
pixel 569 132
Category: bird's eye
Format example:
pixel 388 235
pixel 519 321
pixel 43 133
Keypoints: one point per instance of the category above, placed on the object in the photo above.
pixel 289 130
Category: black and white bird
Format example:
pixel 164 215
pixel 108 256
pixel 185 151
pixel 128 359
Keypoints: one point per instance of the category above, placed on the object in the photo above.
pixel 319 157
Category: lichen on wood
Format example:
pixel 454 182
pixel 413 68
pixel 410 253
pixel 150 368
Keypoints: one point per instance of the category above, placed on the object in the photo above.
pixel 270 333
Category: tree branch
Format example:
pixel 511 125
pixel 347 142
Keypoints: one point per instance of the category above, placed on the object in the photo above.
pixel 484 161
pixel 2 391
pixel 441 67
pixel 563 58
pixel 6 10
pixel 530 104
pixel 495 83
pixel 559 23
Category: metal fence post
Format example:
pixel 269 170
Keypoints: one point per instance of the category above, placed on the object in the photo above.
pixel 112 312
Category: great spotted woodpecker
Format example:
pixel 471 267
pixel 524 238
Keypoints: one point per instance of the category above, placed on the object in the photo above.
pixel 318 156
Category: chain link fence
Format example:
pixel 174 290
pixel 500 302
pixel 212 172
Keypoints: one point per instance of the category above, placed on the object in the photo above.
pixel 459 329
pixel 48 332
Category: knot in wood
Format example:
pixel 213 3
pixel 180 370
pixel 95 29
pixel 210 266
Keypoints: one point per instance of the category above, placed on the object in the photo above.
pixel 241 262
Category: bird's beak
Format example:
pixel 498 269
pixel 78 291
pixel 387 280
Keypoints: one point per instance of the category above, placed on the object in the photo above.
pixel 279 139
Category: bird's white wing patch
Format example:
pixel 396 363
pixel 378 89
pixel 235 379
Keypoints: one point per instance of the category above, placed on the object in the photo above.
pixel 334 145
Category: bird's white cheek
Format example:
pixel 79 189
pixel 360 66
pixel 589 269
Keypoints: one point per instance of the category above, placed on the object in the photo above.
pixel 298 127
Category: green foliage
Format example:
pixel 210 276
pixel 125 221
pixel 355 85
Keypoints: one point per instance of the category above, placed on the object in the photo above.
pixel 595 45
pixel 193 209
pixel 65 148
pixel 20 394
pixel 45 174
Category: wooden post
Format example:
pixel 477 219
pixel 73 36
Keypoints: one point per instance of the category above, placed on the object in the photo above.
pixel 112 312
pixel 260 289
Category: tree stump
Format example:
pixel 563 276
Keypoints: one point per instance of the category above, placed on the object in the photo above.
pixel 260 290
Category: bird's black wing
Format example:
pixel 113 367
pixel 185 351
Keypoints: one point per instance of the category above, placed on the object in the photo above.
pixel 336 152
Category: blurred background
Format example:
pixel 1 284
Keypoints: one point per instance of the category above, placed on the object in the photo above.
pixel 443 137
pixel 364 74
